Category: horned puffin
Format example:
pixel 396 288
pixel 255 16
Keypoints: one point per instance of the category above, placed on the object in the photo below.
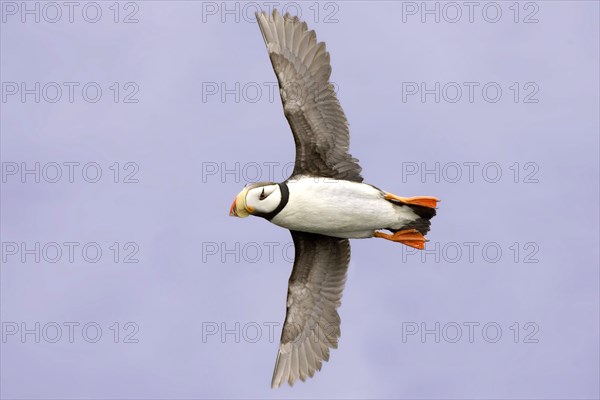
pixel 323 203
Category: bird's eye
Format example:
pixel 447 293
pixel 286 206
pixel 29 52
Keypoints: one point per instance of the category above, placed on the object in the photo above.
pixel 262 195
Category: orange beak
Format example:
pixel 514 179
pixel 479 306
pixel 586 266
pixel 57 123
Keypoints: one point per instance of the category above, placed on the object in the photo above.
pixel 232 211
pixel 239 208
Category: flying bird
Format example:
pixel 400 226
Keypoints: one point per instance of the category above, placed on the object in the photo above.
pixel 323 203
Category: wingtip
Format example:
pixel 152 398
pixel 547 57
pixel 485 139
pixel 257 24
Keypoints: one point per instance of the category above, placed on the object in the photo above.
pixel 276 15
pixel 276 380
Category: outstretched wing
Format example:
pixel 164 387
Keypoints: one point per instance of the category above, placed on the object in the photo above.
pixel 312 324
pixel 310 105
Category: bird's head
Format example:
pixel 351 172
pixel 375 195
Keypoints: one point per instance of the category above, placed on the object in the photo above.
pixel 255 199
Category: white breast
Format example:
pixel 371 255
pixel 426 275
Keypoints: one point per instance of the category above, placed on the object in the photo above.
pixel 339 208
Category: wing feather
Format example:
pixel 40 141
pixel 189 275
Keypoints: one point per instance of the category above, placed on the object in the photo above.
pixel 312 323
pixel 318 123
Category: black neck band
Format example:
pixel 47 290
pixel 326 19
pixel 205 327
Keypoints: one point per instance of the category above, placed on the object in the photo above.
pixel 285 196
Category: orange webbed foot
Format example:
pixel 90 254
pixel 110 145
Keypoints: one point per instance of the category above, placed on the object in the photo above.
pixel 425 201
pixel 408 237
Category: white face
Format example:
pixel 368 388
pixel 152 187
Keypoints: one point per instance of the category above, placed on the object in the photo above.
pixel 263 199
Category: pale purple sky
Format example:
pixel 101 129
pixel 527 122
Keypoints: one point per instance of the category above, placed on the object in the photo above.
pixel 516 251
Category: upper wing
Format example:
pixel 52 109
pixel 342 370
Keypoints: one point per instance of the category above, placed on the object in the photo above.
pixel 310 105
pixel 312 324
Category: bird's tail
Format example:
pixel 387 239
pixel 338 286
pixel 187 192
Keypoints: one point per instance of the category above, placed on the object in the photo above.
pixel 422 206
pixel 422 223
